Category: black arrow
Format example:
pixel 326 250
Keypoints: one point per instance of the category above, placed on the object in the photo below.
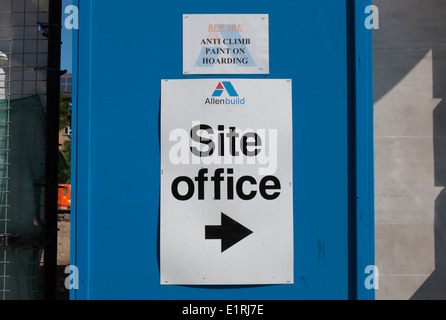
pixel 230 232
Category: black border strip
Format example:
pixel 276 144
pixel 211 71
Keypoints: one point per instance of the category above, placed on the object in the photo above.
pixel 52 147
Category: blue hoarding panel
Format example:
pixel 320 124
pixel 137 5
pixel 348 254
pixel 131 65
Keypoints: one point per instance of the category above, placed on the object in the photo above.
pixel 123 51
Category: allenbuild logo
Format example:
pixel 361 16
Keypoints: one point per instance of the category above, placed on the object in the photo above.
pixel 230 97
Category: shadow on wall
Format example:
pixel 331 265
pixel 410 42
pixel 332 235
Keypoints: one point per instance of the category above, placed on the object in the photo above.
pixel 418 26
pixel 435 286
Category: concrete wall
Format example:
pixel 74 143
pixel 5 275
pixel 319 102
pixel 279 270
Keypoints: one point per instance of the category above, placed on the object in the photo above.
pixel 410 148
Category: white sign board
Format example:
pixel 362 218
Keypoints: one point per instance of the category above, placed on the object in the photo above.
pixel 226 182
pixel 225 44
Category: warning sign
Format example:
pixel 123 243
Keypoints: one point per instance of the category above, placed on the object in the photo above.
pixel 225 44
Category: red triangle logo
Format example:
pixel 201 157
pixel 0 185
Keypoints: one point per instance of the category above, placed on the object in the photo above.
pixel 219 87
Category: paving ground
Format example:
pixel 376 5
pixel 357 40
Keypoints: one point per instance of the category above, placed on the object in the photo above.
pixel 63 239
pixel 63 254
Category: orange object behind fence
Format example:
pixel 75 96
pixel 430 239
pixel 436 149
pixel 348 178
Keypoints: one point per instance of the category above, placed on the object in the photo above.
pixel 64 197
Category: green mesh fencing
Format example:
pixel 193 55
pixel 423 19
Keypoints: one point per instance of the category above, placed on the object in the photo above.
pixel 22 177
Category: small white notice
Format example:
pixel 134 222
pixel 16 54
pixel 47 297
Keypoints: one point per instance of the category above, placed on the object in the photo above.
pixel 225 44
pixel 226 182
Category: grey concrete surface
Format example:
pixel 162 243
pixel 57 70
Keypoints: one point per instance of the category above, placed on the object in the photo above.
pixel 410 149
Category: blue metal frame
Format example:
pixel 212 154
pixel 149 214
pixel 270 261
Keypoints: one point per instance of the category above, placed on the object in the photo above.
pixel 94 103
pixel 365 229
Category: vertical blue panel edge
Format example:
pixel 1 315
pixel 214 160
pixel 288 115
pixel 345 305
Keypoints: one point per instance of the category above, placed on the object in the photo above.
pixel 73 215
pixel 365 244
pixel 80 170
